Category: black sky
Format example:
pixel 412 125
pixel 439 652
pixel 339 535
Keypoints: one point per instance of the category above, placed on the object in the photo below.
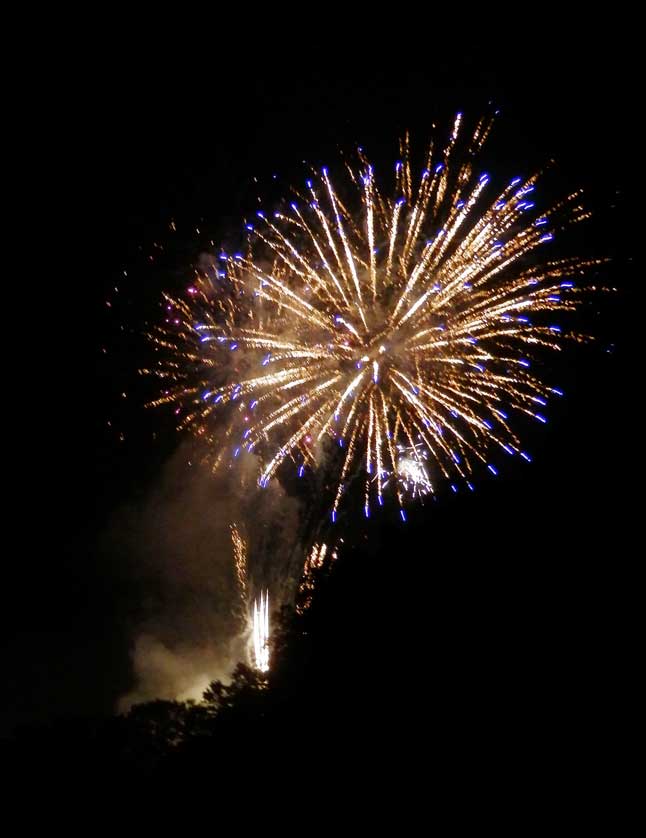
pixel 536 573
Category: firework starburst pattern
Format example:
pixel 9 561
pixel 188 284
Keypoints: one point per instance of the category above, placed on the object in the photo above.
pixel 395 337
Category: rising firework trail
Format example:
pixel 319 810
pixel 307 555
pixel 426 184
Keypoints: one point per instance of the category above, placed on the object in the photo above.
pixel 367 324
pixel 260 612
pixel 261 632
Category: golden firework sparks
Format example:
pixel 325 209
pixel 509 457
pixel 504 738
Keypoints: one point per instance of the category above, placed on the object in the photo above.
pixel 240 560
pixel 318 556
pixel 376 323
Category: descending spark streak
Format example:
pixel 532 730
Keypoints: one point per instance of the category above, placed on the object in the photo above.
pixel 374 322
pixel 318 557
pixel 261 632
pixel 240 560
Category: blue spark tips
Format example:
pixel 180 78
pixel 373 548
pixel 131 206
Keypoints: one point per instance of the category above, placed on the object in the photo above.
pixel 470 485
pixel 523 362
pixel 439 167
pixel 333 516
pixel 454 487
pixel 492 469
pixel 525 456
pixel 541 418
pixel 546 238
pixel 515 181
pixel 301 471
pixel 558 392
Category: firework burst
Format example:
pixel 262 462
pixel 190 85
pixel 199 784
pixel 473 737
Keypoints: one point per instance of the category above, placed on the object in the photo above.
pixel 362 324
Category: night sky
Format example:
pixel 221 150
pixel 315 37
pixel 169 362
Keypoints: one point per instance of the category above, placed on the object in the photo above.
pixel 526 587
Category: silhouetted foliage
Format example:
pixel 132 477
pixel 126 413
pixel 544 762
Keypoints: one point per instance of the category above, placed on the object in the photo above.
pixel 342 705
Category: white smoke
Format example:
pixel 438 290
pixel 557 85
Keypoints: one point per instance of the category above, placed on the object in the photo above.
pixel 175 544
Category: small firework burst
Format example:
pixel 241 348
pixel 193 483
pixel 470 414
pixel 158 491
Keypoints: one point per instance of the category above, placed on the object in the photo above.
pixel 412 471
